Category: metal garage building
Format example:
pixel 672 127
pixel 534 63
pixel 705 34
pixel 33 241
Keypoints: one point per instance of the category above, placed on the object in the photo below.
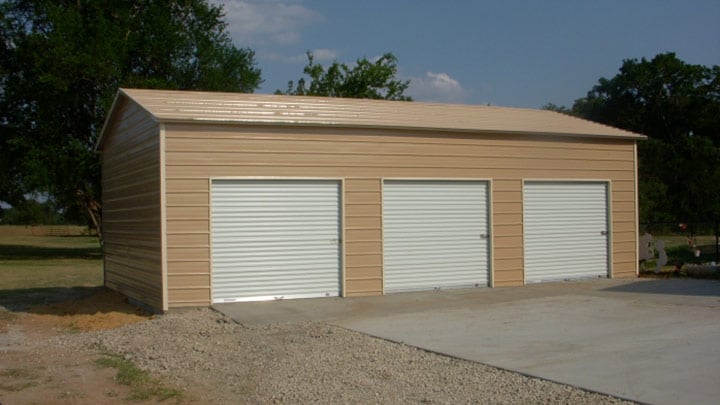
pixel 216 197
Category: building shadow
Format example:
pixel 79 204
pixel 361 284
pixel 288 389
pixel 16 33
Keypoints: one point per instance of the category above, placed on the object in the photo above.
pixel 689 287
pixel 24 299
pixel 30 252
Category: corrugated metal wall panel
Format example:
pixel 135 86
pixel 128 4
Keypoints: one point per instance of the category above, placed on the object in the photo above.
pixel 187 173
pixel 275 239
pixel 565 230
pixel 435 234
pixel 131 195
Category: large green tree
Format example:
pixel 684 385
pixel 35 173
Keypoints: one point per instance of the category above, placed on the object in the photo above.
pixel 677 105
pixel 366 79
pixel 61 62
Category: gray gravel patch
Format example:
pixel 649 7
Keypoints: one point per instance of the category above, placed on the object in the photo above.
pixel 219 361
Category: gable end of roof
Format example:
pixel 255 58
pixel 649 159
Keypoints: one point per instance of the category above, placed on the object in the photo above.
pixel 262 109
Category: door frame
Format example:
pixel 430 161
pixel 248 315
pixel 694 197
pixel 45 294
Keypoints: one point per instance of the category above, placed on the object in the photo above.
pixel 490 229
pixel 608 215
pixel 341 224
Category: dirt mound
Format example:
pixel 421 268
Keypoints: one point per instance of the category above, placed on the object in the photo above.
pixel 103 310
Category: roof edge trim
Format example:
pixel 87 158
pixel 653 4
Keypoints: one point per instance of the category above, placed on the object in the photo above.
pixel 120 96
pixel 272 123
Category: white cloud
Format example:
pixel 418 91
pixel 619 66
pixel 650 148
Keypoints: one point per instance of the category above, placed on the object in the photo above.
pixel 325 55
pixel 321 56
pixel 266 22
pixel 278 57
pixel 437 87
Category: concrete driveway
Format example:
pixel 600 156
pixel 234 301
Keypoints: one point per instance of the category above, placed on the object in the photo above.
pixel 653 341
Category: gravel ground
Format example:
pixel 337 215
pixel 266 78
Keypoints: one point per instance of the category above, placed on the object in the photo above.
pixel 219 361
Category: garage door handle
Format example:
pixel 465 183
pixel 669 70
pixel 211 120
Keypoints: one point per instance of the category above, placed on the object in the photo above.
pixel 603 233
pixel 484 236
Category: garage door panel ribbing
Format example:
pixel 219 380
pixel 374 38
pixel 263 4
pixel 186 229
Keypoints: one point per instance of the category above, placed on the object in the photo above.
pixel 264 267
pixel 573 260
pixel 261 251
pixel 279 236
pixel 433 265
pixel 565 230
pixel 421 252
pixel 551 246
pixel 581 272
pixel 261 279
pixel 570 223
pixel 275 238
pixel 435 234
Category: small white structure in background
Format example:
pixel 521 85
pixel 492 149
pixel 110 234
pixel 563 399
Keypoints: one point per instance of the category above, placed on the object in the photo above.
pixel 646 251
pixel 662 256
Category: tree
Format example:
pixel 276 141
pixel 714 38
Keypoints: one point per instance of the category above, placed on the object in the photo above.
pixel 376 80
pixel 61 62
pixel 32 212
pixel 557 108
pixel 677 105
pixel 664 98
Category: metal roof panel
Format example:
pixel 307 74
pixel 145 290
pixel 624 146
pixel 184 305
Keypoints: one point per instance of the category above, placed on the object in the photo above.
pixel 264 109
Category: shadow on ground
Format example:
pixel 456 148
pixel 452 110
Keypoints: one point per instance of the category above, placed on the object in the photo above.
pixel 691 287
pixel 22 300
pixel 28 252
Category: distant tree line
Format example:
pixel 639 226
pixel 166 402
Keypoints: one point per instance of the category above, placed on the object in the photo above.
pixel 677 105
pixel 31 212
pixel 62 61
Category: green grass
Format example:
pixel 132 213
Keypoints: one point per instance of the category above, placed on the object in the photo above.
pixel 36 270
pixel 28 247
pixel 143 387
pixel 677 248
pixel 23 274
pixel 679 252
pixel 20 379
pixel 681 240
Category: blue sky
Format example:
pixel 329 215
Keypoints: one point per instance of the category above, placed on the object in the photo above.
pixel 508 53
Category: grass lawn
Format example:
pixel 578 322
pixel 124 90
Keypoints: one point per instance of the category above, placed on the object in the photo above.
pixel 678 251
pixel 680 241
pixel 41 269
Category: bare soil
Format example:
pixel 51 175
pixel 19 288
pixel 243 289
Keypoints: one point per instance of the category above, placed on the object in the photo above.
pixel 34 370
pixel 48 356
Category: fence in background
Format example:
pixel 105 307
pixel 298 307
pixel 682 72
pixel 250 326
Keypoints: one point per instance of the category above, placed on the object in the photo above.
pixel 702 239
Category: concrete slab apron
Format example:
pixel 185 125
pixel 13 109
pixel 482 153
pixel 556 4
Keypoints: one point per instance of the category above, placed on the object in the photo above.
pixel 650 351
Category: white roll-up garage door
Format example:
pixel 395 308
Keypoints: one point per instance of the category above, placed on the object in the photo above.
pixel 275 239
pixel 435 234
pixel 565 230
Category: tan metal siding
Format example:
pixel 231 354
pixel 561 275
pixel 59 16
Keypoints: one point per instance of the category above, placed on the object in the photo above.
pixel 195 153
pixel 131 206
pixel 624 228
pixel 188 240
pixel 507 233
pixel 363 236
